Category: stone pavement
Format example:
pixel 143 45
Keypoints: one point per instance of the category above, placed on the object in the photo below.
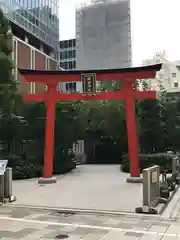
pixel 93 187
pixel 33 224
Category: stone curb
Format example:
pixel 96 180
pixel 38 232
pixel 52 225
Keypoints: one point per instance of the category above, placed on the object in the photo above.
pixel 81 211
pixel 167 210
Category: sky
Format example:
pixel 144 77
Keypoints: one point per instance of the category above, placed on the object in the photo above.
pixel 155 27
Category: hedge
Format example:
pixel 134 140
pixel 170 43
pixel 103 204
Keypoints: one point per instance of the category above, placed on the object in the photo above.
pixel 148 160
pixel 25 167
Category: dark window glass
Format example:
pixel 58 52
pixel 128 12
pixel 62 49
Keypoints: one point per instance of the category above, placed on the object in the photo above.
pixel 176 84
pixel 74 64
pixel 74 53
pixel 62 65
pixel 66 65
pixel 67 86
pixel 71 87
pixel 65 44
pixel 68 43
pixel 62 44
pixel 70 65
pixel 70 54
pixel 61 55
pixel 74 86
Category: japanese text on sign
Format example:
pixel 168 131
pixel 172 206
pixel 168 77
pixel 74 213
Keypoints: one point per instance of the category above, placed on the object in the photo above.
pixel 89 83
pixel 154 177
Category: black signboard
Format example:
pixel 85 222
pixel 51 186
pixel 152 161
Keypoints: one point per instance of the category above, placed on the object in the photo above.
pixel 89 83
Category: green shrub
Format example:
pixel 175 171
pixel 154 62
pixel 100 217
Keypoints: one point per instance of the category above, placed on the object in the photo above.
pixel 24 171
pixel 25 167
pixel 63 164
pixel 13 160
pixel 148 160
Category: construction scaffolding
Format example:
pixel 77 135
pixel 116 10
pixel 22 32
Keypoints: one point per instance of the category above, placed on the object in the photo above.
pixel 103 34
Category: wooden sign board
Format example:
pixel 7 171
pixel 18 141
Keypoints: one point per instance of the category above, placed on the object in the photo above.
pixel 89 83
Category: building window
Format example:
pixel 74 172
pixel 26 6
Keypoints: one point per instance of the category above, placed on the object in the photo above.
pixel 176 85
pixel 62 55
pixel 33 66
pixel 174 75
pixel 62 44
pixel 33 61
pixel 70 54
pixel 47 63
pixel 58 88
pixel 70 65
pixel 74 64
pixel 74 53
pixel 71 87
pixel 66 65
pixel 70 43
pixel 66 54
pixel 66 45
pixel 62 65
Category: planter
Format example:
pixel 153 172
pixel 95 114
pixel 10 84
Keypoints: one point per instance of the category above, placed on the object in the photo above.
pixel 165 193
pixel 172 187
pixel 177 181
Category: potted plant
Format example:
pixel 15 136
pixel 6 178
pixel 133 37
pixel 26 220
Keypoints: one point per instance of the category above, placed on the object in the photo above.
pixel 164 190
pixel 176 177
pixel 171 184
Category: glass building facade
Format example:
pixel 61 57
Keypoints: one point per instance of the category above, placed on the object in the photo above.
pixel 38 17
pixel 67 54
pixel 67 58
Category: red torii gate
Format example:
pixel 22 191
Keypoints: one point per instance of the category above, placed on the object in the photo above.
pixel 128 94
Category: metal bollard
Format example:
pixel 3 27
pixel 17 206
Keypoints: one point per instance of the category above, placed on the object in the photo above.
pixel 175 164
pixel 8 183
pixel 2 188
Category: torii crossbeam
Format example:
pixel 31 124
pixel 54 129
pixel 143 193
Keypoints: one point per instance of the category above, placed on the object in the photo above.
pixel 127 93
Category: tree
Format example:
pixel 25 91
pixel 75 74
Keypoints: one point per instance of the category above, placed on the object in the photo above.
pixel 171 115
pixel 7 82
pixel 106 131
pixel 151 136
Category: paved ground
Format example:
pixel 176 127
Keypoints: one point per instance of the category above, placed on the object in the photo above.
pixel 100 187
pixel 26 224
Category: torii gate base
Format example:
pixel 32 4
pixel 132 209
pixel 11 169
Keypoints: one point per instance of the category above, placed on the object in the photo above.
pixel 128 94
pixel 43 181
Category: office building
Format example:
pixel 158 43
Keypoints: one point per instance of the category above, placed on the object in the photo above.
pixel 168 78
pixel 67 54
pixel 35 28
pixel 28 57
pixel 67 59
pixel 38 18
pixel 103 35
